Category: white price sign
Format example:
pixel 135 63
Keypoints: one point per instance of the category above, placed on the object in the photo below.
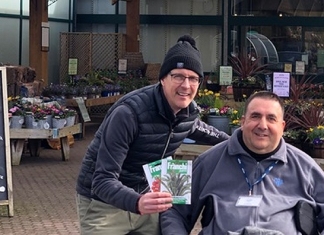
pixel 281 84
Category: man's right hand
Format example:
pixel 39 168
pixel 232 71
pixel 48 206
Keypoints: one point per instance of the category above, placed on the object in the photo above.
pixel 154 202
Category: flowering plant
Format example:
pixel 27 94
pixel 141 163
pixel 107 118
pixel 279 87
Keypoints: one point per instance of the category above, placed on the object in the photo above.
pixel 237 113
pixel 222 111
pixel 48 109
pixel 58 112
pixel 315 135
pixel 205 99
pixel 15 106
pixel 294 135
pixel 17 111
pixel 70 112
pixel 38 113
pixel 235 117
pixel 210 103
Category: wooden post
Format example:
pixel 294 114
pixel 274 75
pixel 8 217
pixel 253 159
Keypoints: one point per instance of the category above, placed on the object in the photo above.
pixel 38 55
pixel 132 25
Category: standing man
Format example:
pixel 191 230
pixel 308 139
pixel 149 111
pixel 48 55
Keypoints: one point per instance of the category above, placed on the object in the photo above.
pixel 143 126
pixel 252 183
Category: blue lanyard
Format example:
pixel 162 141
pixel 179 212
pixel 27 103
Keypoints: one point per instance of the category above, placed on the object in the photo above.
pixel 266 172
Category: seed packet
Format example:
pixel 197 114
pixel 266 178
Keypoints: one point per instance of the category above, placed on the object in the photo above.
pixel 153 174
pixel 176 179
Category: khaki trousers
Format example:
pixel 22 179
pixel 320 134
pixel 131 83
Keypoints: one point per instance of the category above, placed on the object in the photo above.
pixel 99 218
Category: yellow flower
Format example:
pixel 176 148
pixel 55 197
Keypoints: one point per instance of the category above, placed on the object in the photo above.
pixel 236 122
pixel 315 134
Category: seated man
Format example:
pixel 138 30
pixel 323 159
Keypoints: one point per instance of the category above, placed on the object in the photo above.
pixel 254 179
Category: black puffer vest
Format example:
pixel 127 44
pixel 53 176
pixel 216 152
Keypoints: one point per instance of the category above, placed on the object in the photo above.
pixel 159 134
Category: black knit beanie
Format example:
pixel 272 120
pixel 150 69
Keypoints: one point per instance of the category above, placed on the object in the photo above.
pixel 183 55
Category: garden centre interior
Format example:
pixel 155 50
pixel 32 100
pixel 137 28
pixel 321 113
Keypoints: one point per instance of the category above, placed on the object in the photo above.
pixel 49 36
pixel 48 47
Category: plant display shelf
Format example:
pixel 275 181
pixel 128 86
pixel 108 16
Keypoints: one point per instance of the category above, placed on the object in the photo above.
pixel 94 101
pixel 34 137
pixel 89 103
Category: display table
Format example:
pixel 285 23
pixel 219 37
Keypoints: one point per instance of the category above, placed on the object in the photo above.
pixel 34 137
pixel 94 101
pixel 190 151
pixel 89 103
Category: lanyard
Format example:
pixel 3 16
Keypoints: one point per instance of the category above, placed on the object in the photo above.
pixel 266 172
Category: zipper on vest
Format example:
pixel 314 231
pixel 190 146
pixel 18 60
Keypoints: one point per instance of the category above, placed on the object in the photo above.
pixel 167 143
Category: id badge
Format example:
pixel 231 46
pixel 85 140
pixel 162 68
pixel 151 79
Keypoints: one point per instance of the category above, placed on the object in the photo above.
pixel 249 201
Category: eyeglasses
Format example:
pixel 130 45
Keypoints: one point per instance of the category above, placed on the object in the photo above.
pixel 180 78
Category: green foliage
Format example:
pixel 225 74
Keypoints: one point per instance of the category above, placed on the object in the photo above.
pixel 247 70
pixel 218 104
pixel 205 98
pixel 176 183
pixel 132 80
pixel 316 135
pixel 97 81
pixel 293 135
pixel 304 115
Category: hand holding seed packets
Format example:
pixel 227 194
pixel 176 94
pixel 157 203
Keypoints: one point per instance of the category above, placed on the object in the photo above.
pixel 173 176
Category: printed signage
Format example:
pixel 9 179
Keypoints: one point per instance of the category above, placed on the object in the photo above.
pixel 83 109
pixel 281 84
pixel 73 66
pixel 300 67
pixel 225 75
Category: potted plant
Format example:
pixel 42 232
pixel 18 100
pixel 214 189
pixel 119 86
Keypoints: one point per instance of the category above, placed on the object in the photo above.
pixel 304 115
pixel 295 137
pixel 59 117
pixel 205 100
pixel 16 113
pixel 70 115
pixel 39 118
pixel 220 118
pixel 315 135
pixel 213 111
pixel 247 71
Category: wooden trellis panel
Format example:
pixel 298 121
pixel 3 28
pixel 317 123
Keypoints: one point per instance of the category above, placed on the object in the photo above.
pixel 93 51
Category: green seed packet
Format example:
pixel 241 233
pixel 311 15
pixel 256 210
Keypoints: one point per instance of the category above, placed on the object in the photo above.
pixel 176 179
